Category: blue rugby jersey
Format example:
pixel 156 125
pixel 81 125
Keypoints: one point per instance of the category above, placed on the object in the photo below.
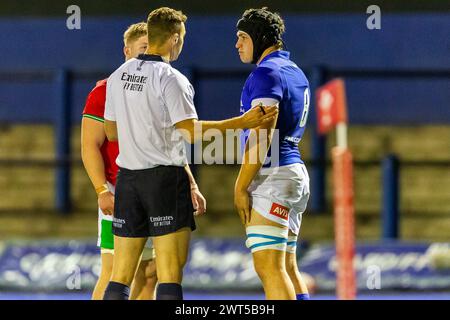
pixel 279 78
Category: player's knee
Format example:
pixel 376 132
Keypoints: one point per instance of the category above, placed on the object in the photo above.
pixel 123 275
pixel 292 270
pixel 105 275
pixel 150 271
pixel 291 263
pixel 267 270
pixel 106 267
pixel 151 280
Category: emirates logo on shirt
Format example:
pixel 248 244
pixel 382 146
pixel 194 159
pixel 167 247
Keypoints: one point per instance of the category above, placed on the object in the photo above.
pixel 279 211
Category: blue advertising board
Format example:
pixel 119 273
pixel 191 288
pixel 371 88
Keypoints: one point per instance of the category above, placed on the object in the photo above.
pixel 225 264
pixel 384 266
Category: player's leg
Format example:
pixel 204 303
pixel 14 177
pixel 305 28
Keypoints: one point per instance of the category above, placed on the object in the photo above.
pixel 145 280
pixel 301 289
pixel 144 283
pixel 171 251
pixel 106 244
pixel 295 219
pixel 267 241
pixel 105 275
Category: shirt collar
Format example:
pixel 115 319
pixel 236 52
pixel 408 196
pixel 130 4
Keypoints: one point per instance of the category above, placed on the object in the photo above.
pixel 278 53
pixel 150 57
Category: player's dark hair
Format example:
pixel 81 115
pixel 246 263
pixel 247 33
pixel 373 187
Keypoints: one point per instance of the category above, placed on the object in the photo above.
pixel 162 23
pixel 264 27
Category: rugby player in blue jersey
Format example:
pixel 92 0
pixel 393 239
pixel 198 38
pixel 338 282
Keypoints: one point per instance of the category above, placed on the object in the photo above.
pixel 271 193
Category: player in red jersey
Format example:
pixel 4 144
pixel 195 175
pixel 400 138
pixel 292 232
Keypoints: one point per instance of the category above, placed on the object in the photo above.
pixel 99 159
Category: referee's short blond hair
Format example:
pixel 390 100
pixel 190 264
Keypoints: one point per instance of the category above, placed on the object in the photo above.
pixel 134 32
pixel 162 23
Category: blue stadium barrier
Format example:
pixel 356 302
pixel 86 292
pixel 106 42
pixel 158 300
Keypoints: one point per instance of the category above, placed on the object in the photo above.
pixel 220 265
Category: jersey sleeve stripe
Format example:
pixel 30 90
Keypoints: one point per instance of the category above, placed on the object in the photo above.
pixel 90 116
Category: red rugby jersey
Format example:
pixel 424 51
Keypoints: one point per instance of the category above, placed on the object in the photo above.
pixel 95 109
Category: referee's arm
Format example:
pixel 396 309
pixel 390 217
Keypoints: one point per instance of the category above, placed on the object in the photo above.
pixel 111 130
pixel 194 130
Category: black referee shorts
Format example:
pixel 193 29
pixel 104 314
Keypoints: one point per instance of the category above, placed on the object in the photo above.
pixel 152 202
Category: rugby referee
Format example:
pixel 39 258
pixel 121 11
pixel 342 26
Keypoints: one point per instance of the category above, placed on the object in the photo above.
pixel 148 104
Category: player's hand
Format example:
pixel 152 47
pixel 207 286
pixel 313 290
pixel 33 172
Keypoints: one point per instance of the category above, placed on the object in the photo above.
pixel 242 204
pixel 198 201
pixel 106 203
pixel 258 115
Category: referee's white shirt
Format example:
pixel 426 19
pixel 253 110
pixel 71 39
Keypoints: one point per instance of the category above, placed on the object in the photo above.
pixel 147 97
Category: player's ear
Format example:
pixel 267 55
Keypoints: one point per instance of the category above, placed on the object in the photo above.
pixel 176 38
pixel 126 51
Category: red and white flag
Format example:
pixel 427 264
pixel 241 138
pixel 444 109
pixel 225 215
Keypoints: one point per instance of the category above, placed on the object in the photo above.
pixel 331 105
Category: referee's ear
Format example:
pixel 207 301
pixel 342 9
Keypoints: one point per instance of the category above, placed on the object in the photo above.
pixel 176 38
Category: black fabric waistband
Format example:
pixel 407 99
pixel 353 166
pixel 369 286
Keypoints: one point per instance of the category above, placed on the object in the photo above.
pixel 158 168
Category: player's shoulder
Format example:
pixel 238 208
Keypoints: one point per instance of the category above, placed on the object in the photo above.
pixel 295 72
pixel 303 77
pixel 291 70
pixel 281 71
pixel 99 89
pixel 120 70
pixel 95 102
pixel 101 85
pixel 266 70
pixel 265 73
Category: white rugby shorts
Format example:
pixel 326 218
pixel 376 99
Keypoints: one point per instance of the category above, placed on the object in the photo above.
pixel 281 194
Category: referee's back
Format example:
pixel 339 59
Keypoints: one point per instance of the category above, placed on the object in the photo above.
pixel 146 97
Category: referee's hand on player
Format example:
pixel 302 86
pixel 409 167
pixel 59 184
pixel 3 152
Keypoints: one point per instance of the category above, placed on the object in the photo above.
pixel 259 115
